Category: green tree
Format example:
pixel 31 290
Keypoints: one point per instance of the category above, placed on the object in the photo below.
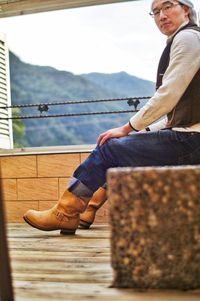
pixel 18 129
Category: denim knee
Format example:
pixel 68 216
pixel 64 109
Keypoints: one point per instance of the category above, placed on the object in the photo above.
pixel 109 150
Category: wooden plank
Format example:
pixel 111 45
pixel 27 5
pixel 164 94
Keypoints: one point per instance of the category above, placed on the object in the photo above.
pixel 21 7
pixel 102 293
pixel 58 165
pixel 34 266
pixel 48 266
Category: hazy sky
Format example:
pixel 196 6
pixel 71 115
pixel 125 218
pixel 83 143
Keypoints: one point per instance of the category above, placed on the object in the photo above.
pixel 105 38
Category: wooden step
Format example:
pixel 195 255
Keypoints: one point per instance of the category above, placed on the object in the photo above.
pixel 49 266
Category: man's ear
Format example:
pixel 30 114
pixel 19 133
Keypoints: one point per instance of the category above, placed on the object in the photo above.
pixel 187 10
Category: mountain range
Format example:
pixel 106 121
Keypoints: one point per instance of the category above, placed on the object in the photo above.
pixel 32 84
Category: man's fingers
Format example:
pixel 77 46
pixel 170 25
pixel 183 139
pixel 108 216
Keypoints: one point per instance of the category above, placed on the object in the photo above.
pixel 103 140
pixel 100 138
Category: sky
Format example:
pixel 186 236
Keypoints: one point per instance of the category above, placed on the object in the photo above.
pixel 105 38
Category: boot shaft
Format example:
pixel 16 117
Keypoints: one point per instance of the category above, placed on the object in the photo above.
pixel 98 198
pixel 71 204
pixel 88 216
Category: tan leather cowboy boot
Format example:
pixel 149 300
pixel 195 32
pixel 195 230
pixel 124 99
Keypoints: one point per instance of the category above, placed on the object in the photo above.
pixel 63 216
pixel 97 201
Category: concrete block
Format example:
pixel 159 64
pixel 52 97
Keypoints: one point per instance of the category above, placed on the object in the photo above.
pixel 155 227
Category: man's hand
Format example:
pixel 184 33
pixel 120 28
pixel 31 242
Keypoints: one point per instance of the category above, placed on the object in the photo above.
pixel 114 133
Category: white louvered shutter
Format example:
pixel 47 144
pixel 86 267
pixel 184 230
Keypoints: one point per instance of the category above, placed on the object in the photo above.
pixel 6 135
pixel 199 18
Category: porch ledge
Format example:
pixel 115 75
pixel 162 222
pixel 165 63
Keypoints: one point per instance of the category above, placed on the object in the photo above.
pixel 47 150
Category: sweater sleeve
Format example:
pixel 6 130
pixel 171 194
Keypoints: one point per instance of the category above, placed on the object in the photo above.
pixel 183 65
pixel 161 124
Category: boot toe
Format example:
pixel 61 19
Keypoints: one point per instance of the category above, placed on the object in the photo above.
pixel 29 214
pixel 39 220
pixel 30 218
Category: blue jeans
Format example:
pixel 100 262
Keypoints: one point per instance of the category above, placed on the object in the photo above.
pixel 164 147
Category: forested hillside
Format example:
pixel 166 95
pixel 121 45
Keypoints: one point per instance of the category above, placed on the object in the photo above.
pixel 41 84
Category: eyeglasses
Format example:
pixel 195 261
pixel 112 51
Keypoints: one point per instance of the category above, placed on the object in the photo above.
pixel 165 8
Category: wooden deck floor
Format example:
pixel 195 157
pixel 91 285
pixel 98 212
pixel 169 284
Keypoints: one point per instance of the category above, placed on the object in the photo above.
pixel 48 266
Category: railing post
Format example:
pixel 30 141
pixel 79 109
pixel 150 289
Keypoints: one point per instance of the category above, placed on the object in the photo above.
pixel 6 290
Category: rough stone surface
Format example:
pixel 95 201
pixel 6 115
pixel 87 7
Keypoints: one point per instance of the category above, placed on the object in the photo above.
pixel 155 227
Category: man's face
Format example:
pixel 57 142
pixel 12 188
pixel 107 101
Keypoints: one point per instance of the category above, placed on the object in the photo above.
pixel 169 15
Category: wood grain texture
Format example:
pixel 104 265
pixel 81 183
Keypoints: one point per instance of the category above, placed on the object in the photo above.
pixel 47 266
pixel 22 7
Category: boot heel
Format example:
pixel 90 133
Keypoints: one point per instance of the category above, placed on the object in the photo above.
pixel 68 231
pixel 84 224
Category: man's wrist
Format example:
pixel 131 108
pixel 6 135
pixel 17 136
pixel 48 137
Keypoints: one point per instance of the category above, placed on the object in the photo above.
pixel 134 129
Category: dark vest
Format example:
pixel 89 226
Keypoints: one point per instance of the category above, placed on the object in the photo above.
pixel 187 110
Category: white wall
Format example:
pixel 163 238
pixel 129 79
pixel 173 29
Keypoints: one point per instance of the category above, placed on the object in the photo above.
pixel 6 135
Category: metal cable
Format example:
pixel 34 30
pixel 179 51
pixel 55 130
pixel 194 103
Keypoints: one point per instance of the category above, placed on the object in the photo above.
pixel 73 102
pixel 68 115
